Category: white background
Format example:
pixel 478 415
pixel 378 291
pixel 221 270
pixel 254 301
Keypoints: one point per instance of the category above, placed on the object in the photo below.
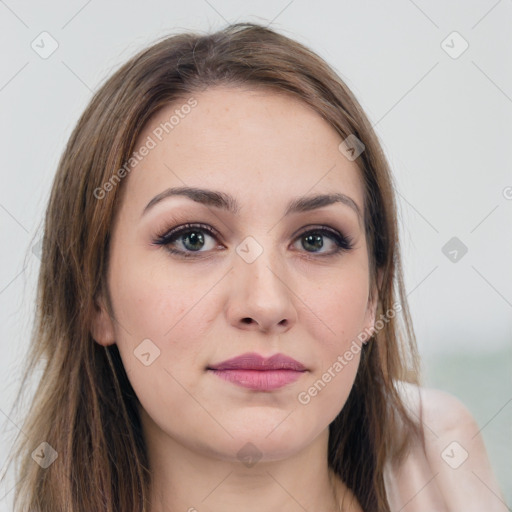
pixel 445 125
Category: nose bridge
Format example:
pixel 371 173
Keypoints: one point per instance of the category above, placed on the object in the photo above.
pixel 258 265
pixel 260 286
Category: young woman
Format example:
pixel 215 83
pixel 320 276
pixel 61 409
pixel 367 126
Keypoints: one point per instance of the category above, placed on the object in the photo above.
pixel 221 311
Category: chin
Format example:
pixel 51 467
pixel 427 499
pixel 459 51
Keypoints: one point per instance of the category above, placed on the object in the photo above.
pixel 266 440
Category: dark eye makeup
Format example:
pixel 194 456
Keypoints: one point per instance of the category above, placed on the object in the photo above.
pixel 190 236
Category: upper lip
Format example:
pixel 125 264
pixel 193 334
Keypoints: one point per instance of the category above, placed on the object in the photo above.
pixel 253 361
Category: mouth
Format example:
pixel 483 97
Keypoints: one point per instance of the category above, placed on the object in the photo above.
pixel 255 372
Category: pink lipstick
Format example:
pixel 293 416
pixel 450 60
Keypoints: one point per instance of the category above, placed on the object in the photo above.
pixel 255 372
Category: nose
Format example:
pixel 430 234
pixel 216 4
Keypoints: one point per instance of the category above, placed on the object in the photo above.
pixel 261 296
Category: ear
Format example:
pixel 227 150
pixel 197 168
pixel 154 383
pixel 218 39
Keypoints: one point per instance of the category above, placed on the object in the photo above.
pixel 102 328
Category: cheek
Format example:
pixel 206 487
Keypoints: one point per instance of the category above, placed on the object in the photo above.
pixel 172 311
pixel 150 301
pixel 167 309
pixel 340 306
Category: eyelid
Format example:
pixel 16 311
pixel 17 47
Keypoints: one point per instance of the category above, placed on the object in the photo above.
pixel 212 231
pixel 191 226
pixel 163 239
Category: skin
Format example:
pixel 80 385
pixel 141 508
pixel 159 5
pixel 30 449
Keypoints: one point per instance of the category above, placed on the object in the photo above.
pixel 264 149
pixel 453 473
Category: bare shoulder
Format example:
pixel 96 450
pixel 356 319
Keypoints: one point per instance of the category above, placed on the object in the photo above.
pixel 437 410
pixel 452 470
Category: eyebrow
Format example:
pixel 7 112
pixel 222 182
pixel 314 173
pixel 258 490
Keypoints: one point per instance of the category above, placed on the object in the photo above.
pixel 229 203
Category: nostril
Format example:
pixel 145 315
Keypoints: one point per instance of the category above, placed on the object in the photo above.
pixel 247 320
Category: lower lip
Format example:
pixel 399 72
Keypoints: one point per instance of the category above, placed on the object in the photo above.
pixel 259 380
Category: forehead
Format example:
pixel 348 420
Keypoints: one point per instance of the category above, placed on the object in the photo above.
pixel 256 144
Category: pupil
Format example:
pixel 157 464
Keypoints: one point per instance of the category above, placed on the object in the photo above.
pixel 195 238
pixel 315 238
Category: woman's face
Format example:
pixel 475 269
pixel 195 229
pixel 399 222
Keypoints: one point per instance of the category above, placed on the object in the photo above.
pixel 264 281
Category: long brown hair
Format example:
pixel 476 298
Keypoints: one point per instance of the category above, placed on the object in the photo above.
pixel 84 406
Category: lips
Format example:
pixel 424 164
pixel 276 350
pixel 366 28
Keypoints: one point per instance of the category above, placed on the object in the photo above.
pixel 256 362
pixel 258 373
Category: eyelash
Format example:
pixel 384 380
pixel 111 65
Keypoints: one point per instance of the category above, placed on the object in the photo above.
pixel 343 243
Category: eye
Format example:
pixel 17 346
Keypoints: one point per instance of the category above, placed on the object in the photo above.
pixel 192 239
pixel 314 239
